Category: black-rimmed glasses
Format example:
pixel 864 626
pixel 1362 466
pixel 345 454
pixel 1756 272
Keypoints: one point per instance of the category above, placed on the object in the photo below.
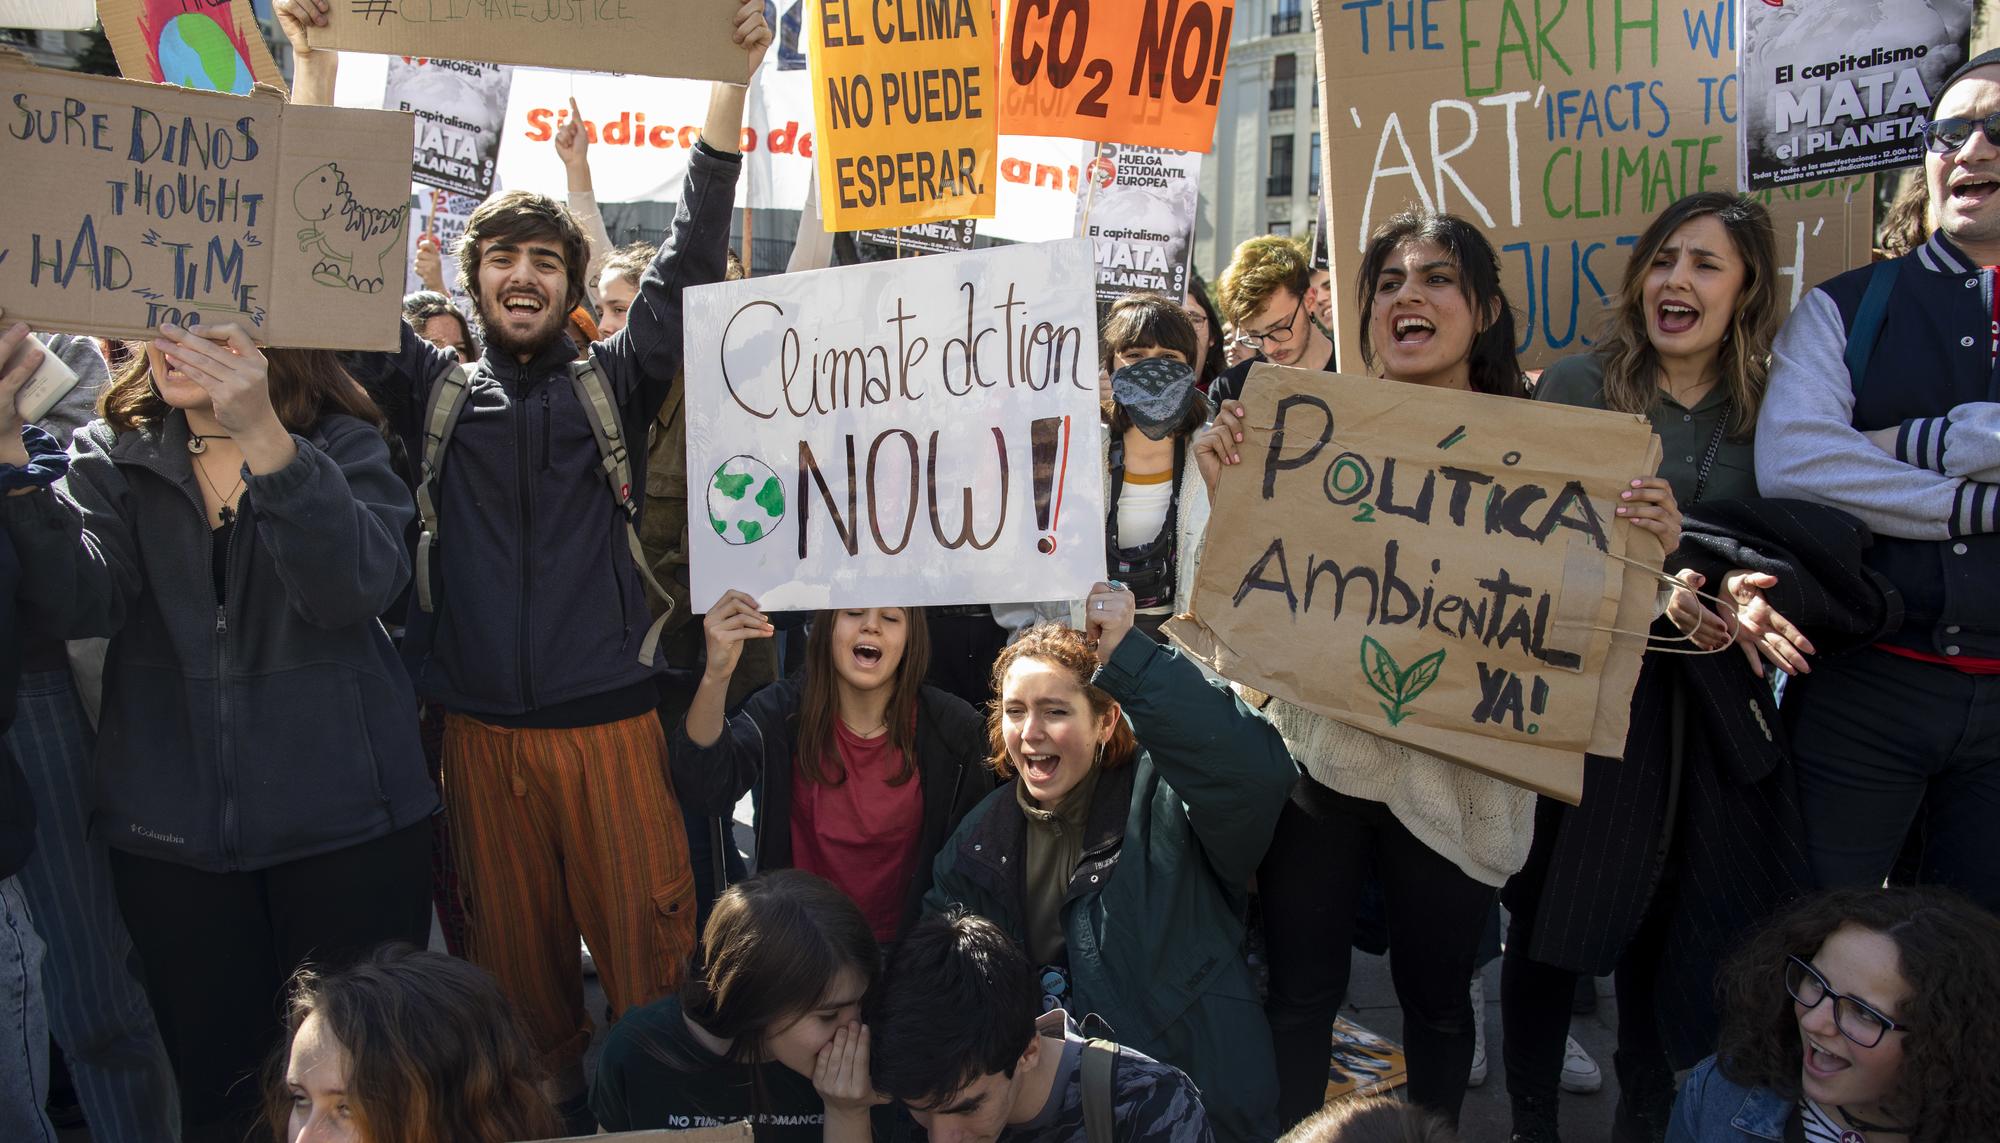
pixel 1277 334
pixel 1943 136
pixel 1855 1020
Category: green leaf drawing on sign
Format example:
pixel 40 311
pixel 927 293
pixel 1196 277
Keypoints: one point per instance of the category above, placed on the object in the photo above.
pixel 1399 685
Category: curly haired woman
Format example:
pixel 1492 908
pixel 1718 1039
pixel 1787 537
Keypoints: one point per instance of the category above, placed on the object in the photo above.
pixel 1861 1015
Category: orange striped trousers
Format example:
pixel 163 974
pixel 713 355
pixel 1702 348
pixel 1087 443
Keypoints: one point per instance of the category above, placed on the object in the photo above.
pixel 567 831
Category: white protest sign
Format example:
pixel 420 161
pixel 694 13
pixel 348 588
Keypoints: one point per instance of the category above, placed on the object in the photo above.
pixel 1141 215
pixel 460 107
pixel 901 433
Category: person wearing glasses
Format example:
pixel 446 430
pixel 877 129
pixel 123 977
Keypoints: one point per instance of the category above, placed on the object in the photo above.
pixel 1268 296
pixel 1859 1016
pixel 1882 403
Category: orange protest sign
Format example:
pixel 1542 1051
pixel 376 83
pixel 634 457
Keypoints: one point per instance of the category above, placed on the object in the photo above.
pixel 1147 72
pixel 903 105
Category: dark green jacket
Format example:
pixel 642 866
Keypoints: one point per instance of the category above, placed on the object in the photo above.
pixel 1154 916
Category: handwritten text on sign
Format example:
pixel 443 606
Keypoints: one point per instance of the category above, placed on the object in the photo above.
pixel 133 204
pixel 691 39
pixel 903 100
pixel 1561 130
pixel 1136 71
pixel 1422 563
pixel 912 432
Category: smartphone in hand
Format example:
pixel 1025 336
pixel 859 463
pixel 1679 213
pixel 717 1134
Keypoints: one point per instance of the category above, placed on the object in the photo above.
pixel 49 385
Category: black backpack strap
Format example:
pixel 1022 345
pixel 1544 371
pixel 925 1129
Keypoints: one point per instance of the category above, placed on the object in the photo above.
pixel 1868 319
pixel 442 409
pixel 1099 1063
pixel 616 464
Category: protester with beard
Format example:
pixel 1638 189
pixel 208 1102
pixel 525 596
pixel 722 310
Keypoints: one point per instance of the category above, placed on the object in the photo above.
pixel 532 626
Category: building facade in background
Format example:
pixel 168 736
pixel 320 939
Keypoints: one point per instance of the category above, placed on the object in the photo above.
pixel 1263 175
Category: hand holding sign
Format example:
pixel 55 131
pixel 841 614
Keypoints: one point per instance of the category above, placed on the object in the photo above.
pixel 22 356
pixel 751 33
pixel 1217 444
pixel 295 16
pixel 733 619
pixel 1108 614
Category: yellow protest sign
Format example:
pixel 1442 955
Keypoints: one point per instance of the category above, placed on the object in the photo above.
pixel 903 103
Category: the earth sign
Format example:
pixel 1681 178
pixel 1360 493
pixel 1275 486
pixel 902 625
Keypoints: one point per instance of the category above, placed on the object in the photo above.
pixel 746 501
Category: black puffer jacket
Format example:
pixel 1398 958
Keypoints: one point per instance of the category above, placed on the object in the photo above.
pixel 275 726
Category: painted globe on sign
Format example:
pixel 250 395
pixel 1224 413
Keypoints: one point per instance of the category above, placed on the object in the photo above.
pixel 746 500
pixel 195 52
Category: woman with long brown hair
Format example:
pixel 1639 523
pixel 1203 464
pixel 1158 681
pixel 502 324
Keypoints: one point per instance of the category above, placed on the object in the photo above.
pixel 865 768
pixel 1693 834
pixel 233 525
pixel 405 1047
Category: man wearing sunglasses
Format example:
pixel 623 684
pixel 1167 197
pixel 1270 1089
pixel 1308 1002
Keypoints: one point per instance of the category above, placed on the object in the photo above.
pixel 1882 402
pixel 1268 295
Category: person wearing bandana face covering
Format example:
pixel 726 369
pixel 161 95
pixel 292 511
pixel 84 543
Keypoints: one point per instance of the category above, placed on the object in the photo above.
pixel 1156 507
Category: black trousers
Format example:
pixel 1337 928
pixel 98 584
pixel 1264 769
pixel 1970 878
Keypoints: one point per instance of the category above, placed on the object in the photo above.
pixel 217 949
pixel 1886 745
pixel 1311 883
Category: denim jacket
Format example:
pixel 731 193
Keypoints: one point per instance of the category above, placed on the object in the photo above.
pixel 1712 1109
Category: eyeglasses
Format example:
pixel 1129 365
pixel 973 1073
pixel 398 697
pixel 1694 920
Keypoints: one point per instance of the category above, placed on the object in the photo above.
pixel 1277 334
pixel 1943 136
pixel 1855 1020
pixel 1196 316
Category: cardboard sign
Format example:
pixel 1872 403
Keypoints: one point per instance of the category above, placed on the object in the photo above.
pixel 443 215
pixel 692 39
pixel 207 45
pixel 135 204
pixel 739 1132
pixel 954 236
pixel 1139 214
pixel 1438 568
pixel 1842 88
pixel 903 98
pixel 48 15
pixel 1127 72
pixel 1560 131
pixel 460 110
pixel 898 433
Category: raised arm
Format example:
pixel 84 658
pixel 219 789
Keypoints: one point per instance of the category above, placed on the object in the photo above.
pixel 572 143
pixel 1227 762
pixel 646 354
pixel 313 72
pixel 1808 447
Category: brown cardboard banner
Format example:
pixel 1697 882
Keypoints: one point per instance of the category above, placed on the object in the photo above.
pixel 136 204
pixel 1439 568
pixel 686 39
pixel 1561 130
pixel 207 45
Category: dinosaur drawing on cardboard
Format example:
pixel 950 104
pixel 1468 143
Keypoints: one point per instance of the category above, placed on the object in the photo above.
pixel 349 241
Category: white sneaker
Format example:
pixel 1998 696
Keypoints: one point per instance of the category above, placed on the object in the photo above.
pixel 1478 1074
pixel 1581 1075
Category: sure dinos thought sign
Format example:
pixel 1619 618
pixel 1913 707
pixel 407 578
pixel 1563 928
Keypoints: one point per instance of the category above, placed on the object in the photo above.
pixel 901 433
pixel 133 204
pixel 1560 129
pixel 1440 568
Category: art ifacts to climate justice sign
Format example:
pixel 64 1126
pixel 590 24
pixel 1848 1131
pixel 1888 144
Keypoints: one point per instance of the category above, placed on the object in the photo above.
pixel 1840 87
pixel 903 103
pixel 133 204
pixel 912 432
pixel 1440 568
pixel 1561 129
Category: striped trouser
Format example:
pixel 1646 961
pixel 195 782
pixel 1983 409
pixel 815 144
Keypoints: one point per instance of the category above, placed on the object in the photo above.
pixel 567 831
pixel 97 1008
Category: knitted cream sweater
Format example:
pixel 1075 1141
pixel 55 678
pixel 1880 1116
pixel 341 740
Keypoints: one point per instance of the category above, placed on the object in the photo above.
pixel 1483 825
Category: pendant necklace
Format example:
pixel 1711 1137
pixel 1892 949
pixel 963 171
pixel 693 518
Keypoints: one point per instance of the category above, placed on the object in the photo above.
pixel 198 443
pixel 226 513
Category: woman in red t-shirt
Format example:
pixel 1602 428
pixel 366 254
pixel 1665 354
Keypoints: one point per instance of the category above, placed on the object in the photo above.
pixel 866 770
